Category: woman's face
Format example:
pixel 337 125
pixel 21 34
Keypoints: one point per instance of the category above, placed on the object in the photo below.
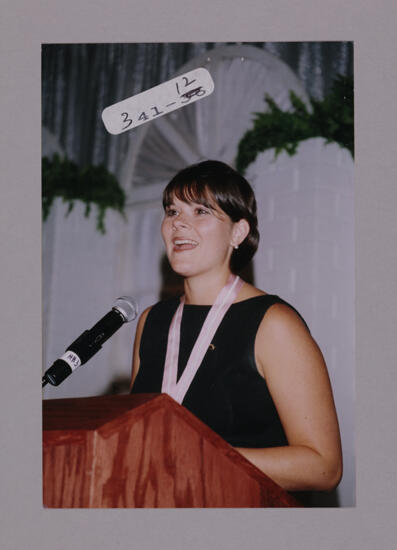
pixel 198 239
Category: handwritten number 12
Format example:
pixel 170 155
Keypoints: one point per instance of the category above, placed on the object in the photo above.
pixel 187 82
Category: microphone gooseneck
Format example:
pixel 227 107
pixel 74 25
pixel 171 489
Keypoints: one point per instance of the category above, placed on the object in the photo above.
pixel 90 341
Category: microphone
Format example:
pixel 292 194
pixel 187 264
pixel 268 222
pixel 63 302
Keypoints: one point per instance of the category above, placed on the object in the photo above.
pixel 90 341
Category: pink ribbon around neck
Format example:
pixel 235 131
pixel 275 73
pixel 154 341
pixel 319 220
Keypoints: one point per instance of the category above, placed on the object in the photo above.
pixel 177 390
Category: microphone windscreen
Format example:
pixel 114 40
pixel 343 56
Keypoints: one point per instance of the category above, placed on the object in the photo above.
pixel 127 307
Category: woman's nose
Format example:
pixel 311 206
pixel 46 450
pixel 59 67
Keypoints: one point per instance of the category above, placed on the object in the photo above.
pixel 180 221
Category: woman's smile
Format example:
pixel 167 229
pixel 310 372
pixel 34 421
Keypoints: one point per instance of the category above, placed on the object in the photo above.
pixel 181 244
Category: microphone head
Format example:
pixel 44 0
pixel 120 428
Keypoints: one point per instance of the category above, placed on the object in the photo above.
pixel 127 307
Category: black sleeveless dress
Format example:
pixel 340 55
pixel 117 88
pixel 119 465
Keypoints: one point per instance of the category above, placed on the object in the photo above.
pixel 227 392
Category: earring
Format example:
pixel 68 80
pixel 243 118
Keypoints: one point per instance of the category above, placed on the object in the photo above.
pixel 235 246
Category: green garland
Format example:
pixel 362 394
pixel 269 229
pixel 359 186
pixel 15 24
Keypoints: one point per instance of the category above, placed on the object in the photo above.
pixel 91 185
pixel 332 119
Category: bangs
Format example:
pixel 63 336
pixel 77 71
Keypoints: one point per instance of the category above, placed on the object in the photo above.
pixel 189 191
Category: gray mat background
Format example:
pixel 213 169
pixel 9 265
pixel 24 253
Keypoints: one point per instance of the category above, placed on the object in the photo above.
pixel 24 25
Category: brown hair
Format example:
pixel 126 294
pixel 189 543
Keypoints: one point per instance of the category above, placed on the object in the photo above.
pixel 212 179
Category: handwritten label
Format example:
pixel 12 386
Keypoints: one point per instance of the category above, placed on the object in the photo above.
pixel 72 359
pixel 158 101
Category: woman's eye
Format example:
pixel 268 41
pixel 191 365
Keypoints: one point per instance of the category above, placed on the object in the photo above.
pixel 170 212
pixel 201 211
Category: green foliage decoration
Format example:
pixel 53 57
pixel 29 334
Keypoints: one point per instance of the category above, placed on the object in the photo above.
pixel 332 118
pixel 91 185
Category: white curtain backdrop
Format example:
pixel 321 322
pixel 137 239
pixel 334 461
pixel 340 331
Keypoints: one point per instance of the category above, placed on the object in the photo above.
pixel 210 128
pixel 306 255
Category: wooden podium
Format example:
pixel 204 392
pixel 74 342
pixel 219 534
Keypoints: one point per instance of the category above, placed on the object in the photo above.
pixel 144 451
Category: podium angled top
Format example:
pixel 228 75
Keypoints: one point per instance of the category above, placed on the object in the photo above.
pixel 89 413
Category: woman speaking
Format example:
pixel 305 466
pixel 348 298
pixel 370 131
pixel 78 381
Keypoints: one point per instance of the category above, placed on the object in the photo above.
pixel 242 360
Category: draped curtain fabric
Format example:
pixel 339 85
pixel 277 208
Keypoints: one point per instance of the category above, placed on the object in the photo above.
pixel 80 80
pixel 211 128
pixel 306 254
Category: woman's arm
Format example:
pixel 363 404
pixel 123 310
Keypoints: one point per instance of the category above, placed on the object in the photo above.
pixel 296 375
pixel 137 343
